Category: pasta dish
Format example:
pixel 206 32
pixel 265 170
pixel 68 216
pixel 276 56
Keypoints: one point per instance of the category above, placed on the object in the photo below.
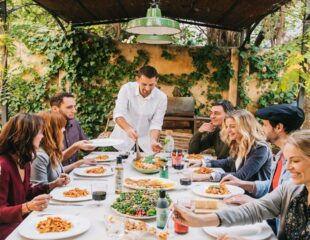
pixel 75 193
pixel 203 170
pixel 218 189
pixel 99 170
pixel 102 157
pixel 195 157
pixel 54 224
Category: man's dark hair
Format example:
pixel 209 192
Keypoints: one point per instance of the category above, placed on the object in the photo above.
pixel 58 98
pixel 147 71
pixel 287 128
pixel 227 106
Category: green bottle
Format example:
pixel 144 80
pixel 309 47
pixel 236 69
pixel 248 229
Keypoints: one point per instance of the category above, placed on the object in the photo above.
pixel 162 210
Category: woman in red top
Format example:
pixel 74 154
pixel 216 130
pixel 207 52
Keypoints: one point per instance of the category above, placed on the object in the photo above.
pixel 19 140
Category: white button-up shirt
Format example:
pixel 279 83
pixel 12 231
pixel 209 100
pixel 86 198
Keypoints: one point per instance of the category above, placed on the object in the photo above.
pixel 142 113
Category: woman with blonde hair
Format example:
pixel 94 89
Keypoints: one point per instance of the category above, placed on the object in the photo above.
pixel 250 156
pixel 289 201
pixel 47 165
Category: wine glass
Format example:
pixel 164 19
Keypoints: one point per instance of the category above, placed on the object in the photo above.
pixel 99 192
pixel 187 178
pixel 177 160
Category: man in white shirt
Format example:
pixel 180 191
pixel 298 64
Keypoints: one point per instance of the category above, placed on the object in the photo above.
pixel 139 112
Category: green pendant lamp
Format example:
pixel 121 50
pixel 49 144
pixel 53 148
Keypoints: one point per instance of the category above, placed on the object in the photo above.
pixel 153 24
pixel 154 39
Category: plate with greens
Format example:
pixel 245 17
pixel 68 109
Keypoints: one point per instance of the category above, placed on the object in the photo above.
pixel 140 204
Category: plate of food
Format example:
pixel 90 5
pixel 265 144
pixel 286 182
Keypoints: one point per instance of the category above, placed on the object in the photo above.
pixel 195 157
pixel 145 229
pixel 140 204
pixel 149 183
pixel 148 165
pixel 254 232
pixel 58 226
pixel 202 173
pixel 103 157
pixel 216 190
pixel 72 194
pixel 95 171
pixel 105 142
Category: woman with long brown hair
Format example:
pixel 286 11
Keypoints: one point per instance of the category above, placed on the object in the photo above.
pixel 19 140
pixel 250 156
pixel 47 165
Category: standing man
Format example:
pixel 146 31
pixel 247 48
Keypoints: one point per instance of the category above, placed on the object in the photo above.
pixel 208 134
pixel 74 137
pixel 139 112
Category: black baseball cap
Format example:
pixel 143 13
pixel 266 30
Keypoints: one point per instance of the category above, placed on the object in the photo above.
pixel 289 115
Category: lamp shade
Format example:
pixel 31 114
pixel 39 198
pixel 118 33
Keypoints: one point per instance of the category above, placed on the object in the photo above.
pixel 154 39
pixel 153 24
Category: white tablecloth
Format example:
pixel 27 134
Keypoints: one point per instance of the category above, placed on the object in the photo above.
pixel 96 214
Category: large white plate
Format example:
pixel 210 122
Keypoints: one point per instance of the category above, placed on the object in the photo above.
pixel 82 172
pixel 58 195
pixel 105 142
pixel 28 227
pixel 133 217
pixel 112 157
pixel 150 188
pixel 257 231
pixel 201 191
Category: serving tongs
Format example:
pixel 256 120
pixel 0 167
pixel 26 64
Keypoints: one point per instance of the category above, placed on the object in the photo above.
pixel 138 154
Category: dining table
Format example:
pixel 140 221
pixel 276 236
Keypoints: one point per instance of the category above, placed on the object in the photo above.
pixel 96 213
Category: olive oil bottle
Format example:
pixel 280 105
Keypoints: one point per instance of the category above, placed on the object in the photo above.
pixel 119 174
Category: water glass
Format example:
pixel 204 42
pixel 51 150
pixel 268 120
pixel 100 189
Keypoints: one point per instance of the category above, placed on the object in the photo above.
pixel 115 227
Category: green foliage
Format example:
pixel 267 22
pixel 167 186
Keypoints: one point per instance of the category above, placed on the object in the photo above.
pixel 167 55
pixel 275 97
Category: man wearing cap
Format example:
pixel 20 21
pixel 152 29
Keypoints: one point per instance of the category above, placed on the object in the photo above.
pixel 278 122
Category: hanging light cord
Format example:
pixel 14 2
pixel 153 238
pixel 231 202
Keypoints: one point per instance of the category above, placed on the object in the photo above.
pixel 155 3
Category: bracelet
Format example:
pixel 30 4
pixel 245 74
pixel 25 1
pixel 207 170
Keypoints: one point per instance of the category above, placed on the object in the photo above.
pixel 28 207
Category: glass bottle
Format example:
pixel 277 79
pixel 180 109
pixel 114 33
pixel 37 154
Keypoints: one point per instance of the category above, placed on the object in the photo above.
pixel 119 174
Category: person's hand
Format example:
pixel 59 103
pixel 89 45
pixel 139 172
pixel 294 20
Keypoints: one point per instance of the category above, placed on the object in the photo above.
pixel 84 145
pixel 230 237
pixel 186 217
pixel 89 161
pixel 206 127
pixel 232 180
pixel 62 180
pixel 39 203
pixel 194 163
pixel 156 147
pixel 132 134
pixel 239 199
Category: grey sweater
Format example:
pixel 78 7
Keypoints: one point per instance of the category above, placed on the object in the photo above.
pixel 274 204
pixel 42 170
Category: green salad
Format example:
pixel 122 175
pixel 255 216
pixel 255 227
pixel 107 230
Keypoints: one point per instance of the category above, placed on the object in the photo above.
pixel 141 203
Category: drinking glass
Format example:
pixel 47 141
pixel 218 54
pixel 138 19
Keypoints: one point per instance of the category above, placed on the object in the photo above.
pixel 177 160
pixel 186 178
pixel 115 227
pixel 188 203
pixel 99 192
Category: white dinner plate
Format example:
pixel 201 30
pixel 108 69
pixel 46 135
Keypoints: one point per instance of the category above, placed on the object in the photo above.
pixel 83 172
pixel 105 142
pixel 252 232
pixel 201 190
pixel 58 194
pixel 133 217
pixel 112 157
pixel 150 188
pixel 28 227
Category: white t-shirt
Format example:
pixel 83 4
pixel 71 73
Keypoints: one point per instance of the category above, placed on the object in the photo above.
pixel 142 113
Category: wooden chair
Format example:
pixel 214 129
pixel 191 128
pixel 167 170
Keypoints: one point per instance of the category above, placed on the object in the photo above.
pixel 181 140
